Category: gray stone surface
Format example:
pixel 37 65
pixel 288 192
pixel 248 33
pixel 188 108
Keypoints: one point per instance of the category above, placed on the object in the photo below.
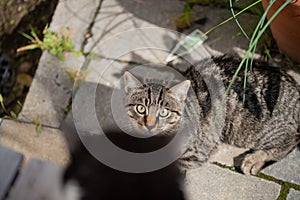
pixel 39 180
pixel 120 16
pixel 213 182
pixel 288 169
pixel 117 17
pixel 9 168
pixel 74 18
pixel 50 91
pixel 225 154
pixel 293 195
pixel 48 145
pixel 227 38
pixel 126 30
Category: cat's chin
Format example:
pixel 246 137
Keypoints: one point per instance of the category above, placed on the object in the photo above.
pixel 154 132
pixel 148 133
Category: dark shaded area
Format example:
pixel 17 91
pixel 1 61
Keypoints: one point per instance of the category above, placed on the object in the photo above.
pixel 9 169
pixel 166 12
pixel 272 92
pixel 6 75
pixel 22 65
pixel 99 181
pixel 138 145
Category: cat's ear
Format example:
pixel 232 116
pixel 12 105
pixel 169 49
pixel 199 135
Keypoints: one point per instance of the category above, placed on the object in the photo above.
pixel 131 82
pixel 180 90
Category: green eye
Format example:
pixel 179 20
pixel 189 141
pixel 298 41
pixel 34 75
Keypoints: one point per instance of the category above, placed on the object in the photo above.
pixel 141 109
pixel 164 112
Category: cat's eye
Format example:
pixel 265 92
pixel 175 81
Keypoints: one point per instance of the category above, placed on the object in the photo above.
pixel 164 112
pixel 141 109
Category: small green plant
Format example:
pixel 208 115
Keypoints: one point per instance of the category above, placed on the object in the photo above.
pixel 185 19
pixel 12 115
pixel 52 42
pixel 38 126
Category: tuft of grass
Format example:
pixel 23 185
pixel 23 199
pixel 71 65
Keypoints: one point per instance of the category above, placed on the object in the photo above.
pixel 247 60
pixel 185 19
pixel 38 126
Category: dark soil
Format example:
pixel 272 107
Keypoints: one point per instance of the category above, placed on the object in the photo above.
pixel 19 16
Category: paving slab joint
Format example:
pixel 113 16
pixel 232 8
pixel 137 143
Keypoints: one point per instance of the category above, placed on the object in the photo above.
pixel 285 186
pixel 33 124
pixel 96 56
pixel 88 34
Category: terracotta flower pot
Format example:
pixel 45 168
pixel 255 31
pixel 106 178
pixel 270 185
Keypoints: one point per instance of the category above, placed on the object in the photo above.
pixel 286 27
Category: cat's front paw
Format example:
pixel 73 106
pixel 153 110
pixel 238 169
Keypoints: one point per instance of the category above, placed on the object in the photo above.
pixel 253 163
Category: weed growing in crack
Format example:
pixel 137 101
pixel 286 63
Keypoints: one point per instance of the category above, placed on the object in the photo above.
pixel 55 44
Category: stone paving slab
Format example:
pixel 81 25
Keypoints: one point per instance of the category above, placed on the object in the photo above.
pixel 74 17
pixel 119 16
pixel 9 168
pixel 159 13
pixel 106 72
pixel 115 20
pixel 124 34
pixel 225 154
pixel 50 91
pixel 293 195
pixel 227 38
pixel 144 45
pixel 213 182
pixel 48 145
pixel 288 169
pixel 38 180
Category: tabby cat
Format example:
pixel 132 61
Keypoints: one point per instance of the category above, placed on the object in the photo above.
pixel 264 117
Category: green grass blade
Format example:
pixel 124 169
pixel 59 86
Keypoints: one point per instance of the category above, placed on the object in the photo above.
pixel 28 47
pixel 236 21
pixel 27 36
pixel 252 45
pixel 2 103
pixel 230 18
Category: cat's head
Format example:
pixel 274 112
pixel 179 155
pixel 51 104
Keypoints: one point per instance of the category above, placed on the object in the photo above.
pixel 153 107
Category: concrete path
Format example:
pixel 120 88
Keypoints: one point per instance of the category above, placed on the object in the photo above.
pixel 119 35
pixel 22 137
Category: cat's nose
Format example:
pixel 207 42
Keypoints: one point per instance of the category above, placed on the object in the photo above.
pixel 150 121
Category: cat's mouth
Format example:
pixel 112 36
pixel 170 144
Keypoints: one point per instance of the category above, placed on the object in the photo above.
pixel 152 130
